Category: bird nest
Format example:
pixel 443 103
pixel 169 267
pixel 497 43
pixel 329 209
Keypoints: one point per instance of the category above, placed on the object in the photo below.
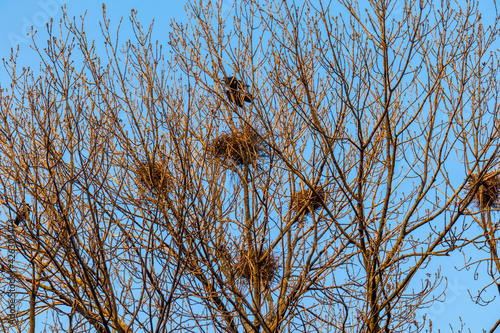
pixel 222 252
pixel 154 177
pixel 308 200
pixel 241 147
pixel 266 263
pixel 487 194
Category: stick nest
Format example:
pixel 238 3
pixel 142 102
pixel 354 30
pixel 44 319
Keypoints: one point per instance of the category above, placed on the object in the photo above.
pixel 487 194
pixel 154 177
pixel 241 147
pixel 312 200
pixel 266 263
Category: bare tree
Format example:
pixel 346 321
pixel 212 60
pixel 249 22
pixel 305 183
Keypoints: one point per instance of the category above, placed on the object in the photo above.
pixel 288 169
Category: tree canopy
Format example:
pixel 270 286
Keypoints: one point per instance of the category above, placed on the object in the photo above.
pixel 281 168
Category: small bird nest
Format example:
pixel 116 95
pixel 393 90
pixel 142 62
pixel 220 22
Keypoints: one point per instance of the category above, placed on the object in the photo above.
pixel 242 147
pixel 311 200
pixel 487 194
pixel 267 265
pixel 154 176
pixel 22 214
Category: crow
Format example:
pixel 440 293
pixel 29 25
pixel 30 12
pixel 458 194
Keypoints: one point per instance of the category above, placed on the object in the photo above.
pixel 236 93
pixel 238 97
pixel 234 83
pixel 22 214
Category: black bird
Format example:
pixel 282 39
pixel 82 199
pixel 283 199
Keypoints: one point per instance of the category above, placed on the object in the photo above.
pixel 237 91
pixel 234 83
pixel 22 214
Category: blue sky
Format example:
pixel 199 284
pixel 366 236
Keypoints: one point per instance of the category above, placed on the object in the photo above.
pixel 18 16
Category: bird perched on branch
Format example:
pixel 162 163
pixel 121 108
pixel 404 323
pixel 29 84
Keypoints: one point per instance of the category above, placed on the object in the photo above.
pixel 22 214
pixel 237 91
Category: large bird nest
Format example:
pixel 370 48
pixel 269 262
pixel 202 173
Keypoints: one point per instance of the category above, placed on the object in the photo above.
pixel 487 194
pixel 308 200
pixel 154 177
pixel 241 147
pixel 266 264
